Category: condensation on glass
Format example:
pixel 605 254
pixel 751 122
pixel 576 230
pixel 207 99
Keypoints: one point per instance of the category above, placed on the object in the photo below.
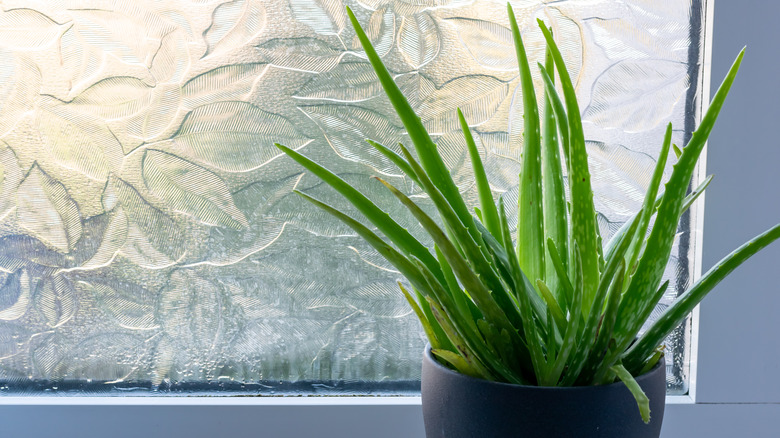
pixel 150 242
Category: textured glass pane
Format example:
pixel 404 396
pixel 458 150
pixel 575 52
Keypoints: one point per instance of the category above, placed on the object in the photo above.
pixel 149 237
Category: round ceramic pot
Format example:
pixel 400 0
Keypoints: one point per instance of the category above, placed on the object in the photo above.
pixel 459 406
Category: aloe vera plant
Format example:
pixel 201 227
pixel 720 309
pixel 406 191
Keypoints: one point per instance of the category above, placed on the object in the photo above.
pixel 555 308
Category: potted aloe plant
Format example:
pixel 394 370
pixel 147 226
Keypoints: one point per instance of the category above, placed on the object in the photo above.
pixel 538 336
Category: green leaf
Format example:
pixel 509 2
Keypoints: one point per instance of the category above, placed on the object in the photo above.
pixel 497 253
pixel 621 233
pixel 460 297
pixel 459 265
pixel 530 219
pixel 558 110
pixel 647 210
pixel 429 332
pixel 523 297
pixel 677 151
pixel 659 353
pixel 498 340
pixel 555 214
pixel 694 195
pixel 488 205
pixel 552 305
pixel 459 363
pixel 641 398
pixel 478 256
pixel 616 352
pixel 606 324
pixel 486 351
pixel 484 297
pixel 469 341
pixel 567 346
pixel 456 307
pixel 438 332
pixel 465 352
pixel 404 265
pixel 588 337
pixel 552 340
pixel 574 324
pixel 394 232
pixel 426 149
pixel 685 303
pixel 583 214
pixel 395 158
pixel 566 294
pixel 637 305
pixel 501 258
pixel 449 277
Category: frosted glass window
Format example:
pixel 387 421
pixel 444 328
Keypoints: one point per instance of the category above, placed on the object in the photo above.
pixel 149 240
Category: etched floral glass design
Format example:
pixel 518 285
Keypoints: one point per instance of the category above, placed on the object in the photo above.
pixel 149 240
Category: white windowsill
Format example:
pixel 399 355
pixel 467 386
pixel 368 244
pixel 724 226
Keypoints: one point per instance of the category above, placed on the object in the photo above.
pixel 239 401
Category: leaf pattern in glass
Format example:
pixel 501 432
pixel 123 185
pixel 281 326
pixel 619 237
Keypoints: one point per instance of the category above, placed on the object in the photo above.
pixel 149 234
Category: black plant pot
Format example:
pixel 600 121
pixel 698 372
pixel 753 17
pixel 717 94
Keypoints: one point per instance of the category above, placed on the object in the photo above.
pixel 458 406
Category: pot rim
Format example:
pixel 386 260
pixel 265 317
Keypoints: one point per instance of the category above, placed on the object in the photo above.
pixel 428 356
